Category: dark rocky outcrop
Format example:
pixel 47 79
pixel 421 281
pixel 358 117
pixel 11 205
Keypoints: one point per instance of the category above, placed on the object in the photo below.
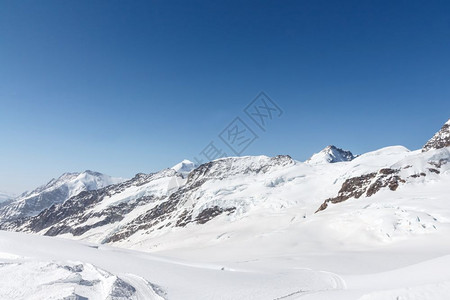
pixel 351 188
pixel 438 164
pixel 386 178
pixel 368 184
pixel 211 212
pixel 440 140
pixel 418 175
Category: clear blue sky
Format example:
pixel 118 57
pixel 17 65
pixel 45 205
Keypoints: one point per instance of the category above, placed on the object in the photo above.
pixel 125 87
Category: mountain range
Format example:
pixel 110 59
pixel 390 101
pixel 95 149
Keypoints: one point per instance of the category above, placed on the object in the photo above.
pixel 55 191
pixel 152 211
pixel 337 226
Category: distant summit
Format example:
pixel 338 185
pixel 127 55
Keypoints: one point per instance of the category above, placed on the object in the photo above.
pixel 440 140
pixel 331 154
pixel 184 167
pixel 54 192
pixel 5 198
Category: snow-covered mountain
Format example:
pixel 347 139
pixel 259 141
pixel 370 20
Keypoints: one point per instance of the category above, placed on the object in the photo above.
pixel 149 208
pixel 54 192
pixel 263 228
pixel 331 154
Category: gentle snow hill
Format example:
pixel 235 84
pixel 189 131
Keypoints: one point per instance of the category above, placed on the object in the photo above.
pixel 331 154
pixel 55 191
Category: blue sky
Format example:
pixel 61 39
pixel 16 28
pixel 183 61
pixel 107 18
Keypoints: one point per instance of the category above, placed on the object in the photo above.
pixel 126 87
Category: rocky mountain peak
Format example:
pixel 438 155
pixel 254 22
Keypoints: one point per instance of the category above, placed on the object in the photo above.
pixel 331 154
pixel 440 139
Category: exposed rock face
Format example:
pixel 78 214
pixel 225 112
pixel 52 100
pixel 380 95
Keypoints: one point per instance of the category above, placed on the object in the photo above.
pixel 440 140
pixel 368 184
pixel 210 213
pixel 386 178
pixel 153 217
pixel 352 188
pixel 331 154
pixel 439 162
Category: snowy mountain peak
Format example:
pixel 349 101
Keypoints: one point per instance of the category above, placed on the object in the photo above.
pixel 184 167
pixel 93 173
pixel 55 191
pixel 331 154
pixel 440 140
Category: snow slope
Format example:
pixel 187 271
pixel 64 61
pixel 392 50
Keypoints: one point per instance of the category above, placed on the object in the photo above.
pixel 314 271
